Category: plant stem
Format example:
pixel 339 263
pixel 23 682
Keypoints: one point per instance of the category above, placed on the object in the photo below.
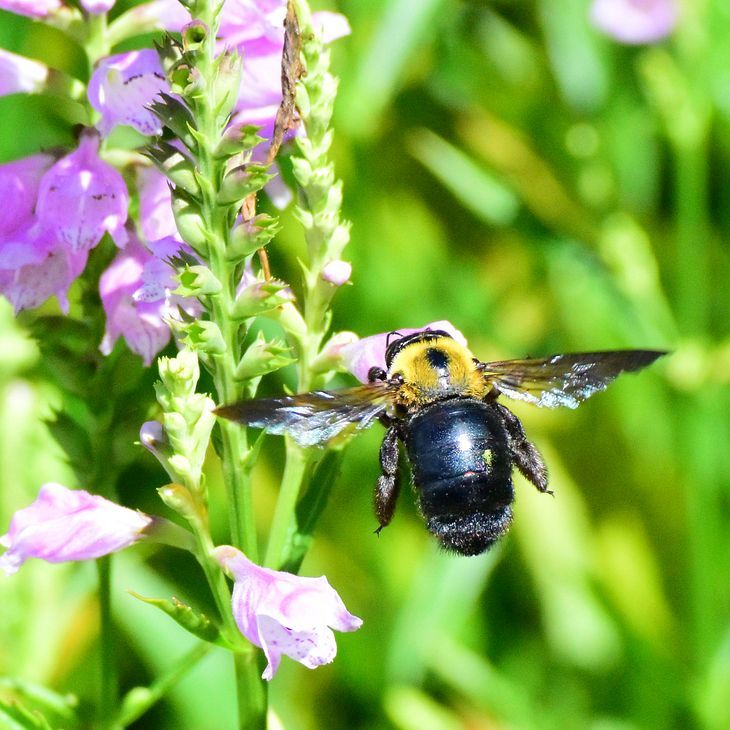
pixel 252 700
pixel 282 526
pixel 108 677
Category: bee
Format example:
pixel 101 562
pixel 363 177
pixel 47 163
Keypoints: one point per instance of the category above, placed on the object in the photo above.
pixel 444 405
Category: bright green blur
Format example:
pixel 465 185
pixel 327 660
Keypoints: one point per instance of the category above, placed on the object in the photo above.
pixel 546 190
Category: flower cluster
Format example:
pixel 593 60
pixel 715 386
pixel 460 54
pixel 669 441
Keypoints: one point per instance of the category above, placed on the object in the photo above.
pixel 63 207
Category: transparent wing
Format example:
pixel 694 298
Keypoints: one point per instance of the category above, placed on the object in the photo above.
pixel 312 418
pixel 564 380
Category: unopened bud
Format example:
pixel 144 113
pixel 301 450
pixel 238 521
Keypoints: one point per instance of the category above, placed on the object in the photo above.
pixel 337 272
pixel 263 357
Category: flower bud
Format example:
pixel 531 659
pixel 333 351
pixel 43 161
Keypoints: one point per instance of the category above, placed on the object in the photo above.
pixel 204 336
pixel 180 500
pixel 227 83
pixel 180 374
pixel 242 181
pixel 263 357
pixel 256 296
pixel 197 281
pixel 337 272
pixel 176 166
pixel 190 223
pixel 251 235
pixel 237 139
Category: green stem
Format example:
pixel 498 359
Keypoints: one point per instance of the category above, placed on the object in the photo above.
pixel 108 678
pixel 141 699
pixel 252 700
pixel 251 691
pixel 283 524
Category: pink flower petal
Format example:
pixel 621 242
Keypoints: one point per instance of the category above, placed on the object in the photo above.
pixel 123 86
pixel 285 614
pixel 64 524
pixel 19 182
pixel 370 351
pixel 155 205
pixel 31 8
pixel 81 197
pixel 21 75
pixel 635 21
pixel 39 268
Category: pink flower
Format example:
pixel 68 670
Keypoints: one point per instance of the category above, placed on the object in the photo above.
pixel 136 296
pixel 31 8
pixel 284 613
pixel 63 524
pixel 635 21
pixel 370 351
pixel 156 219
pixel 81 197
pixel 123 86
pixel 21 75
pixel 34 265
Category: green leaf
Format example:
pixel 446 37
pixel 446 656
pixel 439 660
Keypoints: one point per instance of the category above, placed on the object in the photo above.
pixel 194 622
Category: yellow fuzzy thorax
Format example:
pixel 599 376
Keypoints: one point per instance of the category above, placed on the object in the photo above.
pixel 435 369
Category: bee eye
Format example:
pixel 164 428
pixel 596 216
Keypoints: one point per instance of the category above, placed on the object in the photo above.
pixel 397 378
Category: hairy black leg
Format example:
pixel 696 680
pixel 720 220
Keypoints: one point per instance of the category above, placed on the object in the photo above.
pixel 375 374
pixel 527 458
pixel 388 485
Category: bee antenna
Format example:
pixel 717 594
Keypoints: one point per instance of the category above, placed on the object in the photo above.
pixel 390 334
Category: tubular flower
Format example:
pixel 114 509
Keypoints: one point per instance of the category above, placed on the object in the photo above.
pixel 31 8
pixel 369 352
pixel 285 614
pixel 64 524
pixel 635 21
pixel 34 265
pixel 123 86
pixel 81 198
pixel 20 75
pixel 135 293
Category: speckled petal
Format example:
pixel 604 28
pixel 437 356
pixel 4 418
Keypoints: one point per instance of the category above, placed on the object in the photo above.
pixel 81 198
pixel 123 86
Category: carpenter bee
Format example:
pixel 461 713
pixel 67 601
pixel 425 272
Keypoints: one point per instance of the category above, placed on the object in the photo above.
pixel 443 404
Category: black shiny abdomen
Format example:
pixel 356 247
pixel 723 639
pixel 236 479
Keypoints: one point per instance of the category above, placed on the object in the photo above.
pixel 462 469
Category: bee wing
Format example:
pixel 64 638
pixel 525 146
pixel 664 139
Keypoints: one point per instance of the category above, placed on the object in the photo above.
pixel 564 380
pixel 312 418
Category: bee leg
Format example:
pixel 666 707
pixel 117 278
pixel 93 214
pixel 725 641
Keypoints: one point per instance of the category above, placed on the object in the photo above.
pixel 376 374
pixel 526 456
pixel 388 485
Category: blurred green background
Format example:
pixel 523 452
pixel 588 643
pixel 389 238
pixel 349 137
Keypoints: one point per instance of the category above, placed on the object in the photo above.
pixel 546 190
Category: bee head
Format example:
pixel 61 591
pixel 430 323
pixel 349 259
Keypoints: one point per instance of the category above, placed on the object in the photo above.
pixel 395 342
